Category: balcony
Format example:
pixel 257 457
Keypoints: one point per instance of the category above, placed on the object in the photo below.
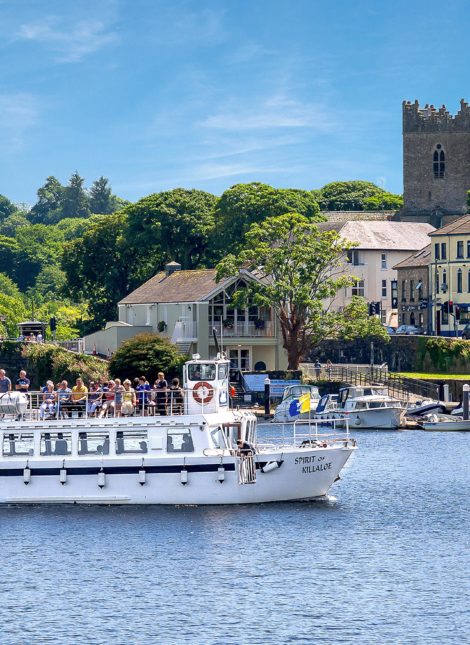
pixel 184 331
pixel 245 329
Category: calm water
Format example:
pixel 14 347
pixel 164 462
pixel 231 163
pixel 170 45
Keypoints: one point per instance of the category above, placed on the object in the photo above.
pixel 388 562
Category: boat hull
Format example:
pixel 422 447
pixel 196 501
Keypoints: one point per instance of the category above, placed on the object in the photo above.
pixel 375 419
pixel 447 426
pixel 298 474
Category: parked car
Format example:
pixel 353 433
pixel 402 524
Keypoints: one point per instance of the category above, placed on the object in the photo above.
pixel 389 330
pixel 466 332
pixel 409 330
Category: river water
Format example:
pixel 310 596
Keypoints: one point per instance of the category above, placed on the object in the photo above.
pixel 387 562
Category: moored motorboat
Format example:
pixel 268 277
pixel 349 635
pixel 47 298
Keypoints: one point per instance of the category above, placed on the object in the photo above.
pixel 209 454
pixel 446 423
pixel 297 403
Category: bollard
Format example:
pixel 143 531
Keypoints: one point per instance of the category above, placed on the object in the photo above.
pixel 267 394
pixel 445 393
pixel 465 401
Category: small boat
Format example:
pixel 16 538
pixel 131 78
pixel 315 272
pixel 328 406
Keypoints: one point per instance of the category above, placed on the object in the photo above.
pixel 207 453
pixel 424 408
pixel 294 398
pixel 365 407
pixel 446 422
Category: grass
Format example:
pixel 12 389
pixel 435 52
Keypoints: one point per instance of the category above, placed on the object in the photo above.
pixel 425 375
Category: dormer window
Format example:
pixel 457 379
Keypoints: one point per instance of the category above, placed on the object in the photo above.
pixel 439 162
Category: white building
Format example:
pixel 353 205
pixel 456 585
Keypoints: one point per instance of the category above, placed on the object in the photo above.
pixel 380 245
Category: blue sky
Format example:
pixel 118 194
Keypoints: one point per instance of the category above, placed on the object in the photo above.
pixel 208 93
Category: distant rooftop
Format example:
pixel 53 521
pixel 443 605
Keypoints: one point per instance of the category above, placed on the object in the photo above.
pixel 383 235
pixel 420 259
pixel 348 216
pixel 460 226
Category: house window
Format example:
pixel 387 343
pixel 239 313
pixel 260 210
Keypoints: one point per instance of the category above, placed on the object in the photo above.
pixel 459 281
pixel 403 290
pixel 358 289
pixel 384 288
pixel 419 286
pixel 443 251
pixel 412 290
pixel 460 249
pixel 437 254
pixel 354 257
pixel 384 260
pixel 437 281
pixel 439 162
pixel 468 281
pixel 444 281
pixel 468 249
pixel 383 316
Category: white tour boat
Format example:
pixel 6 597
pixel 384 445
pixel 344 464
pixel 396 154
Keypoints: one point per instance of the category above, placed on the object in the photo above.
pixel 364 407
pixel 290 407
pixel 209 454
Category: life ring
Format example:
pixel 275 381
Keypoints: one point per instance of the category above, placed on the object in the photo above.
pixel 203 392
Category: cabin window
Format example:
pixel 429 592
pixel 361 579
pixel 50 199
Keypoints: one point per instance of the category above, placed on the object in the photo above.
pixel 56 443
pixel 93 443
pixel 179 441
pixel 223 371
pixel 218 439
pixel 131 442
pixel 18 444
pixel 201 372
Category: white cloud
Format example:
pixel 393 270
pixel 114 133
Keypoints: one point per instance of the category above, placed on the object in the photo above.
pixel 70 44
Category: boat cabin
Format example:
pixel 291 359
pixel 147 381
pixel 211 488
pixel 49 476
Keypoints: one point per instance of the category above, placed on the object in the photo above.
pixel 292 392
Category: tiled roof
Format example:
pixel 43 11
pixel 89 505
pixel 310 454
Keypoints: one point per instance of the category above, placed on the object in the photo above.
pixel 420 259
pixel 459 227
pixel 179 286
pixel 383 235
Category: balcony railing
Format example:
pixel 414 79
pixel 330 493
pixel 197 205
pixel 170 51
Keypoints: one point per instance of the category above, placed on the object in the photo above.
pixel 245 329
pixel 184 330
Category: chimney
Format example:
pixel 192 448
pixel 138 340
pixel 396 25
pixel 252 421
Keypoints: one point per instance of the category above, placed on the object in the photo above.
pixel 171 267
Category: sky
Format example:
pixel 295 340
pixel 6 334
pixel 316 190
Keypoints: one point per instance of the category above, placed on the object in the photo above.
pixel 158 94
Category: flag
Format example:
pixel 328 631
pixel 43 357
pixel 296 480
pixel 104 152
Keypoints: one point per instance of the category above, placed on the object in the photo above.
pixel 304 403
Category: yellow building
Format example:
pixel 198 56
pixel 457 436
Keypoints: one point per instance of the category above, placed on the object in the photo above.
pixel 450 277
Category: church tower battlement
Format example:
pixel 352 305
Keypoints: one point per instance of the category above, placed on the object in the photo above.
pixel 436 162
pixel 431 119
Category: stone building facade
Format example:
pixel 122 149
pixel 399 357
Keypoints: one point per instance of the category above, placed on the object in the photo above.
pixel 413 293
pixel 436 163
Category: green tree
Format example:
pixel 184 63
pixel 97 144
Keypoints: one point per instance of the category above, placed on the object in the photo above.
pixel 300 269
pixel 172 225
pixel 97 267
pixel 9 253
pixel 383 201
pixel 48 208
pixel 75 202
pixel 146 354
pixel 11 224
pixel 348 195
pixel 7 208
pixel 245 204
pixel 101 201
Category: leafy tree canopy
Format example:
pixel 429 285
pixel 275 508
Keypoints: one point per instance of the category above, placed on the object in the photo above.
pixel 245 204
pixel 75 201
pixel 47 209
pixel 146 354
pixel 11 224
pixel 352 196
pixel 172 225
pixel 300 270
pixel 6 207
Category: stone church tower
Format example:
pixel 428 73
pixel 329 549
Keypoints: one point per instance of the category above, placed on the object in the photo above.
pixel 436 163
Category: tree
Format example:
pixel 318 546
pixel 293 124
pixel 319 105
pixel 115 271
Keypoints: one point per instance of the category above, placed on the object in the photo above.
pixel 39 246
pixel 6 207
pixel 300 270
pixel 48 208
pixel 97 267
pixel 101 201
pixel 172 225
pixel 75 202
pixel 11 224
pixel 245 204
pixel 348 195
pixel 146 354
pixel 383 201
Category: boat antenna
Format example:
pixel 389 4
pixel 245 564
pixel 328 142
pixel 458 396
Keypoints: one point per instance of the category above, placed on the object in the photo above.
pixel 216 340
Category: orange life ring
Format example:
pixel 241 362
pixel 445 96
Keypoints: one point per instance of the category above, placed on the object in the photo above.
pixel 203 392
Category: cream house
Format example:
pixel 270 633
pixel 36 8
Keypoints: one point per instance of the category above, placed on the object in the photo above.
pixel 186 306
pixel 380 245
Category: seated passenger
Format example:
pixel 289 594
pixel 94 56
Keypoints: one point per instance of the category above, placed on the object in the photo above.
pixel 79 397
pixel 48 405
pixel 143 446
pixel 176 397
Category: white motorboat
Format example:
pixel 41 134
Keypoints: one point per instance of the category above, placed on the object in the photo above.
pixel 293 399
pixel 446 422
pixel 365 407
pixel 209 454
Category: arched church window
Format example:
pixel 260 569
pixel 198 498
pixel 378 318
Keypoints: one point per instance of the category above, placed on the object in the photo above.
pixel 439 162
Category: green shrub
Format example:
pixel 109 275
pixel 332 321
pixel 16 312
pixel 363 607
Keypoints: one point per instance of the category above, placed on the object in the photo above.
pixel 146 354
pixel 56 363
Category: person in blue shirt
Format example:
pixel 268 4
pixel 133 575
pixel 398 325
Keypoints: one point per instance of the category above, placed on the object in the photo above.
pixel 143 393
pixel 23 382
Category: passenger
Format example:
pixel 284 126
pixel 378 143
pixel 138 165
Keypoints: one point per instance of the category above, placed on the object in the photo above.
pixel 94 399
pixel 317 368
pixel 79 397
pixel 63 399
pixel 143 446
pixel 176 397
pixel 108 400
pixel 118 394
pixel 161 387
pixel 5 383
pixel 22 383
pixel 128 399
pixel 187 445
pixel 142 391
pixel 49 399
